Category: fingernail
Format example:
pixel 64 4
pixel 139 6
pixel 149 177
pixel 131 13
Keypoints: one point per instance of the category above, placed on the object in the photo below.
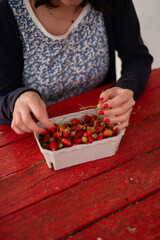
pixel 105 106
pixel 44 132
pixel 107 120
pixel 101 99
pixel 115 129
pixel 100 112
pixel 52 129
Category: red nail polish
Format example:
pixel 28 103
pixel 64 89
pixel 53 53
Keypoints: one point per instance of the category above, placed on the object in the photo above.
pixel 115 129
pixel 100 112
pixel 101 99
pixel 44 132
pixel 105 106
pixel 107 120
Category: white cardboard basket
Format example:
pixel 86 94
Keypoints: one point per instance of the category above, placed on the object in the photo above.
pixel 81 153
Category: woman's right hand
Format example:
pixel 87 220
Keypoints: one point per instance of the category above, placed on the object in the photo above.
pixel 29 103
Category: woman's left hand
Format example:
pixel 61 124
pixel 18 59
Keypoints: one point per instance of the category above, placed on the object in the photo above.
pixel 117 102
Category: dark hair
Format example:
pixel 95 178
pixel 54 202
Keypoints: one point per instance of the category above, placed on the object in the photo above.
pixel 99 5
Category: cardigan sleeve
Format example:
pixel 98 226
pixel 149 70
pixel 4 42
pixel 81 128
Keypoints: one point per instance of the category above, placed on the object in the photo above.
pixel 136 60
pixel 11 63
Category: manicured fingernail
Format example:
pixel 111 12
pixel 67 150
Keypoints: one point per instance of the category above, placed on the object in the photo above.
pixel 107 120
pixel 52 129
pixel 44 132
pixel 100 112
pixel 105 106
pixel 115 129
pixel 101 99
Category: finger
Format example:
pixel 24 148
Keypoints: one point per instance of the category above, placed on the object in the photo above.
pixel 41 114
pixel 121 118
pixel 121 125
pixel 106 95
pixel 31 124
pixel 17 124
pixel 120 109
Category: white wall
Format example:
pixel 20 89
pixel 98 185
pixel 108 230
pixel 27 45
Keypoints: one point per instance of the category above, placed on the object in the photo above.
pixel 148 12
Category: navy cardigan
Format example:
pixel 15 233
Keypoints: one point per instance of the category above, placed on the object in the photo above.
pixel 123 36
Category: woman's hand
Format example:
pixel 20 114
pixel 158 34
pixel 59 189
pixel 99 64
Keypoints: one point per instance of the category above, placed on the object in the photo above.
pixel 29 103
pixel 117 102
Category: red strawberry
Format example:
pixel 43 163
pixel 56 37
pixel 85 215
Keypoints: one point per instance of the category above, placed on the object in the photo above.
pixel 72 134
pixel 57 134
pixel 77 141
pixel 79 134
pixel 111 126
pixel 85 134
pixel 53 146
pixel 75 121
pixel 90 139
pixel 75 128
pixel 86 119
pixel 66 133
pixel 100 136
pixel 107 132
pixel 46 138
pixel 93 119
pixel 67 142
pixel 91 131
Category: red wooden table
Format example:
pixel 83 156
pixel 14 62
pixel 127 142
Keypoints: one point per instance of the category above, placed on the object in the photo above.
pixel 112 198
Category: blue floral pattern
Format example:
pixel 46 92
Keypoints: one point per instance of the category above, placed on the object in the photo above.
pixel 60 68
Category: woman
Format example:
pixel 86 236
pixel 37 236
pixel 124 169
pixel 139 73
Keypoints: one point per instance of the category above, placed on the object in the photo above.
pixel 54 49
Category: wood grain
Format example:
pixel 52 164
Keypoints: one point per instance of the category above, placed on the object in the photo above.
pixel 73 209
pixel 137 222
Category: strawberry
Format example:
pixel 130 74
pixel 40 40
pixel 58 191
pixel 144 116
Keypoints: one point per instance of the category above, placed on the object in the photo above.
pixel 85 134
pixel 77 141
pixel 75 128
pixel 54 128
pixel 99 106
pixel 90 139
pixel 100 137
pixel 94 136
pixel 79 134
pixel 86 119
pixel 93 119
pixel 84 127
pixel 84 139
pixel 72 134
pixel 111 126
pixel 66 142
pixel 75 121
pixel 57 135
pixel 107 132
pixel 91 131
pixel 61 128
pixel 46 138
pixel 52 139
pixel 66 133
pixel 60 145
pixel 53 146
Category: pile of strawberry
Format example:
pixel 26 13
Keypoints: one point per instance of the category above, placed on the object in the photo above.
pixel 77 131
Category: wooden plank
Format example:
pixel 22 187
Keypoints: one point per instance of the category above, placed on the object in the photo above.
pixel 30 191
pixel 146 106
pixel 73 209
pixel 139 221
pixel 154 80
pixel 20 155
